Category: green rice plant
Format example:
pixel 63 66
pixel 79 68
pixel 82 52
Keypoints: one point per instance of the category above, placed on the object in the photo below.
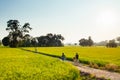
pixel 17 64
pixel 95 55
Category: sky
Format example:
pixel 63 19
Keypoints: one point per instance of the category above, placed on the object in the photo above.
pixel 73 19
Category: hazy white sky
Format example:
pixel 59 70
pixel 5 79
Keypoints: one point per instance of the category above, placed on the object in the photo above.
pixel 74 19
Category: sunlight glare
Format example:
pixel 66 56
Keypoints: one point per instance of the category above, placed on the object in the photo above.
pixel 107 17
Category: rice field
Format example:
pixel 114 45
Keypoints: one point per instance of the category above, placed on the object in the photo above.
pixel 101 56
pixel 17 64
pixel 25 64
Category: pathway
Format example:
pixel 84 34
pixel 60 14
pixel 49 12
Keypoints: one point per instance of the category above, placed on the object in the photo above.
pixel 97 72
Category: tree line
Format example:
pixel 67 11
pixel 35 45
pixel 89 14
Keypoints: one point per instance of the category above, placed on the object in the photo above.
pixel 19 37
pixel 107 43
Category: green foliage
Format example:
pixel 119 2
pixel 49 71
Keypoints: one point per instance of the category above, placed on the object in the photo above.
pixel 50 40
pixel 5 41
pixel 86 42
pixel 111 43
pixel 17 64
pixel 16 33
pixel 89 55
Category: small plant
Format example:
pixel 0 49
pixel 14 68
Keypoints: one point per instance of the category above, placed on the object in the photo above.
pixel 111 67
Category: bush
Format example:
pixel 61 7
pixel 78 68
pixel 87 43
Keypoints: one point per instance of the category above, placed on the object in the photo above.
pixel 111 43
pixel 5 41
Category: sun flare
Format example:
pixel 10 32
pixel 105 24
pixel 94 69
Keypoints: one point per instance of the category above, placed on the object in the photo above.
pixel 107 17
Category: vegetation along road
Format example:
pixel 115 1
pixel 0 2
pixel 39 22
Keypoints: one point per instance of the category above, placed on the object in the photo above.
pixel 93 56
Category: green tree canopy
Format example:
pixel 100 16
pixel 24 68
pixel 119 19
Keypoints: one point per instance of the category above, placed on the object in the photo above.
pixel 111 43
pixel 86 42
pixel 16 33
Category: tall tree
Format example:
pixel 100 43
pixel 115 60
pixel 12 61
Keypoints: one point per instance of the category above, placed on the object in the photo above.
pixel 16 33
pixel 90 41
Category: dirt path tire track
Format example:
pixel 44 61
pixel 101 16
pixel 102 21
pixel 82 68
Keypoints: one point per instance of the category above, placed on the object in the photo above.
pixel 97 72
